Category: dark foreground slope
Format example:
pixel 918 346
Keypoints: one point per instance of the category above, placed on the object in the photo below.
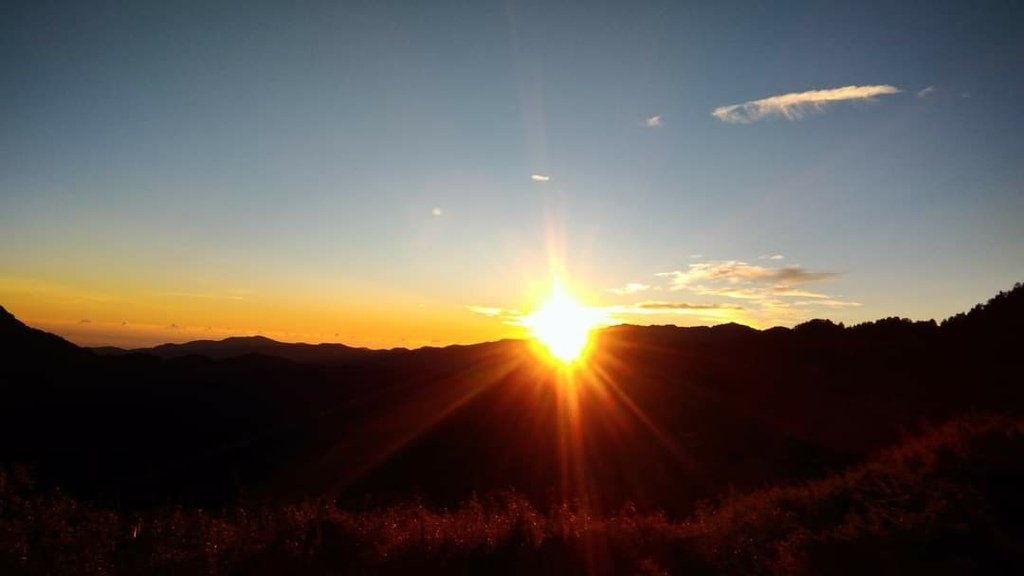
pixel 944 502
pixel 662 417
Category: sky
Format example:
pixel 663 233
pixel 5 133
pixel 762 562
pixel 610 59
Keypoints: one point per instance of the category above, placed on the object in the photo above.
pixel 417 173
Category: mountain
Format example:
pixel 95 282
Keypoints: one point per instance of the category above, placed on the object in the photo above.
pixel 659 416
pixel 245 345
pixel 23 348
pixel 21 339
pixel 336 354
pixel 1004 312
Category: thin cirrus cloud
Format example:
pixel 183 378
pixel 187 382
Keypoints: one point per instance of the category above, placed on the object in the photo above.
pixel 683 306
pixel 716 291
pixel 714 312
pixel 486 310
pixel 539 177
pixel 771 294
pixel 508 316
pixel 796 105
pixel 733 273
pixel 828 303
pixel 631 288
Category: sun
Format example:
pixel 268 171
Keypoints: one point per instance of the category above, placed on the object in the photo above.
pixel 563 325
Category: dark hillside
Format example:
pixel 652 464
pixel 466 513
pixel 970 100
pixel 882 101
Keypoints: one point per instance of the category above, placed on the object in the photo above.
pixel 662 416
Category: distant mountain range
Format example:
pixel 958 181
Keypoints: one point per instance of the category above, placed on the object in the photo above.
pixel 1002 311
pixel 334 354
pixel 664 416
pixel 244 345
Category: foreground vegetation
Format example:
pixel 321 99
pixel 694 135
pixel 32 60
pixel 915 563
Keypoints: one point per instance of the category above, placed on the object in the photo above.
pixel 946 501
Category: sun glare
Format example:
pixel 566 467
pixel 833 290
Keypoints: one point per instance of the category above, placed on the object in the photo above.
pixel 563 325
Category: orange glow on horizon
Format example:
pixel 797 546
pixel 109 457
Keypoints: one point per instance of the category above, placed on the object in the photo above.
pixel 132 317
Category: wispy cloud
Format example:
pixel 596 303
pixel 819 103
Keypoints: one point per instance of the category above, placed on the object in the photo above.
pixel 486 310
pixel 796 105
pixel 764 294
pixel 828 303
pixel 709 313
pixel 683 306
pixel 924 93
pixel 631 288
pixel 734 273
pixel 793 275
pixel 539 177
pixel 506 315
pixel 768 293
pixel 653 121
pixel 796 293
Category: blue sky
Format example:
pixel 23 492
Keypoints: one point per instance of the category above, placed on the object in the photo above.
pixel 360 163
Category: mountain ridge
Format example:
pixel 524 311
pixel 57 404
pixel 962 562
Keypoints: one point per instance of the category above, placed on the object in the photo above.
pixel 694 409
pixel 1005 309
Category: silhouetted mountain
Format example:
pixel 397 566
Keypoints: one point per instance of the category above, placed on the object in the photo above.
pixel 1003 315
pixel 24 348
pixel 660 416
pixel 109 350
pixel 21 339
pixel 246 345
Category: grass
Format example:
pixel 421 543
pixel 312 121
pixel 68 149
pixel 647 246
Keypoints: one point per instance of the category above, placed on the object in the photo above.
pixel 945 501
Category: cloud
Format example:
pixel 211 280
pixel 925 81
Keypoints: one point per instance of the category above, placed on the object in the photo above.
pixel 756 292
pixel 683 306
pixel 653 121
pixel 791 275
pixel 701 313
pixel 436 212
pixel 486 310
pixel 796 105
pixel 926 92
pixel 828 303
pixel 794 293
pixel 539 177
pixel 763 294
pixel 85 321
pixel 508 316
pixel 735 273
pixel 736 293
pixel 769 293
pixel 631 288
